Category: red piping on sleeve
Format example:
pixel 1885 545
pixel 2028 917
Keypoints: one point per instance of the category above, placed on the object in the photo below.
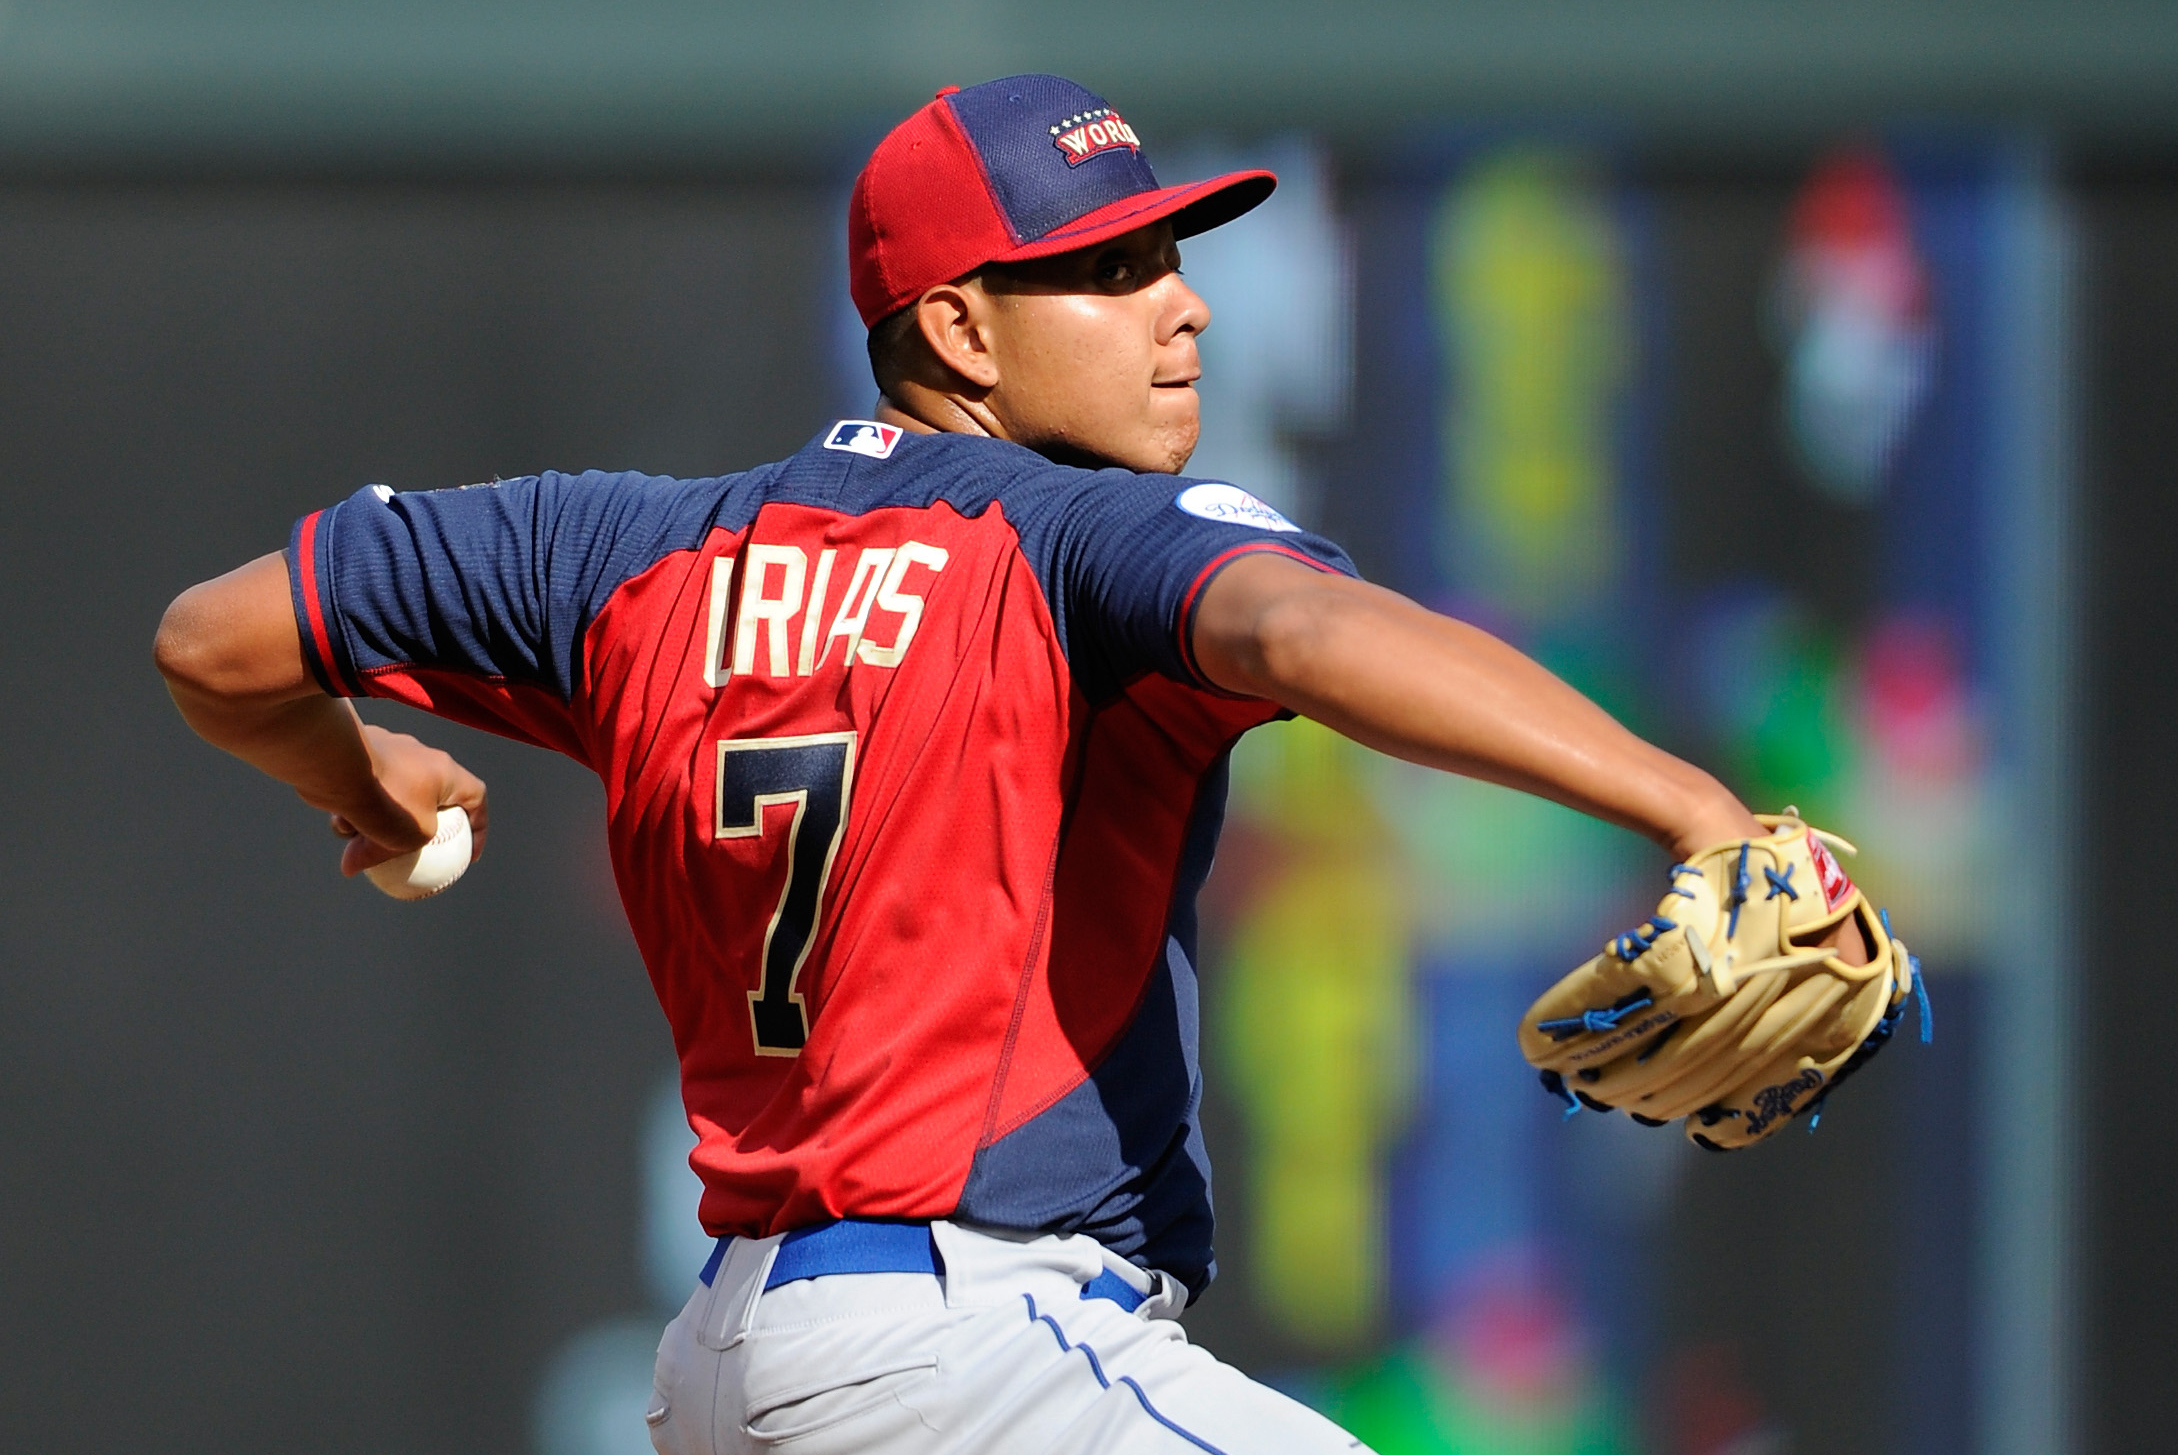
pixel 1203 579
pixel 306 565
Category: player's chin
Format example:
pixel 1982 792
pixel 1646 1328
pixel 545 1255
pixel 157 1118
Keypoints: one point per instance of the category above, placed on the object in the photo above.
pixel 1175 428
pixel 1156 440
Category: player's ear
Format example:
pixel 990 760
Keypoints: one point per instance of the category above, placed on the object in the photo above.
pixel 952 320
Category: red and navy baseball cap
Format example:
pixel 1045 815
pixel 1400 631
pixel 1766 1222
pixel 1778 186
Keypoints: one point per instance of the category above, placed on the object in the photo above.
pixel 1022 168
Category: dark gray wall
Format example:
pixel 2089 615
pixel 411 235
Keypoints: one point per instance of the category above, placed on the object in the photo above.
pixel 285 1165
pixel 2129 777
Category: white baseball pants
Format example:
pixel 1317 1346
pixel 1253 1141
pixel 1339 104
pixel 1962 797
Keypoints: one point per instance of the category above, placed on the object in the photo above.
pixel 1001 1355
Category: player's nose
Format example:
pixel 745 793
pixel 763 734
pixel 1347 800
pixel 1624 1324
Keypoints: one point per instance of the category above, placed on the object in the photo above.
pixel 1182 310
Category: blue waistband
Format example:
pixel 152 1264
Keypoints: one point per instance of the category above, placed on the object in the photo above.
pixel 853 1245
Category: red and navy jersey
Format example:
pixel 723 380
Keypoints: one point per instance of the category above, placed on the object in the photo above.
pixel 911 779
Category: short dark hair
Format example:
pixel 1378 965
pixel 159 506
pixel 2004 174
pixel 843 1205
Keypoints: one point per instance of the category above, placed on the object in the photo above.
pixel 890 339
pixel 894 338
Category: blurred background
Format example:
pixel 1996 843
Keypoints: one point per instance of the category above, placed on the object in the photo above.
pixel 1792 375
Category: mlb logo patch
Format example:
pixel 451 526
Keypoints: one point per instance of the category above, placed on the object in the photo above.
pixel 864 437
pixel 1092 133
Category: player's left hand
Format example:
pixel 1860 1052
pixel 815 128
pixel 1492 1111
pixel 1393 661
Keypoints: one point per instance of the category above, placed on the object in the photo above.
pixel 412 782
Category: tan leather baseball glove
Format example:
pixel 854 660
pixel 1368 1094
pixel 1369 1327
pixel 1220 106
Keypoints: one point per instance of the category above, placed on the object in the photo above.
pixel 1722 1008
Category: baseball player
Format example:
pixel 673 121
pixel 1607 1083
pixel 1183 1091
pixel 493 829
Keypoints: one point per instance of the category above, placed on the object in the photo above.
pixel 914 752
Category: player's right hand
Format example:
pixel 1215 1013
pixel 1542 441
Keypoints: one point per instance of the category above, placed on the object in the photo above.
pixel 412 782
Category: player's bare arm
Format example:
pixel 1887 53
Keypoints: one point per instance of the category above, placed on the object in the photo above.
pixel 1433 690
pixel 1406 681
pixel 233 661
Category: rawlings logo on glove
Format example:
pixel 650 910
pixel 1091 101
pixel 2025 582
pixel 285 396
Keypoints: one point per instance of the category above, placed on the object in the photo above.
pixel 1724 1007
pixel 1827 873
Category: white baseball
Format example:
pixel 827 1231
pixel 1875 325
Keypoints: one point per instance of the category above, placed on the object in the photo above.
pixel 421 873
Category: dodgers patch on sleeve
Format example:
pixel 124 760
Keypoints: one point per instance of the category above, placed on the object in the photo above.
pixel 1231 505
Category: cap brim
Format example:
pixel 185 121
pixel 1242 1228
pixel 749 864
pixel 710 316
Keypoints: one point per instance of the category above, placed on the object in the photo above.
pixel 1194 207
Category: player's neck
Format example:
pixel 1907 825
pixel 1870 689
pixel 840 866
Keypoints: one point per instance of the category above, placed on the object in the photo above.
pixel 928 411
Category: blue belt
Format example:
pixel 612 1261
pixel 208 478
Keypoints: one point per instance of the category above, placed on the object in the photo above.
pixel 853 1245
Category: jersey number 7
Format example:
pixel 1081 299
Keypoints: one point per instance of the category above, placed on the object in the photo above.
pixel 816 774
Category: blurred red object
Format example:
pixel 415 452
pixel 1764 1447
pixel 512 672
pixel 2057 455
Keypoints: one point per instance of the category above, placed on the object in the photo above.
pixel 1708 1408
pixel 1508 1334
pixel 1849 229
pixel 1913 699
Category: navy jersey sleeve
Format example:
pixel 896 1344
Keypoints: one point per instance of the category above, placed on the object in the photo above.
pixel 1133 554
pixel 496 582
